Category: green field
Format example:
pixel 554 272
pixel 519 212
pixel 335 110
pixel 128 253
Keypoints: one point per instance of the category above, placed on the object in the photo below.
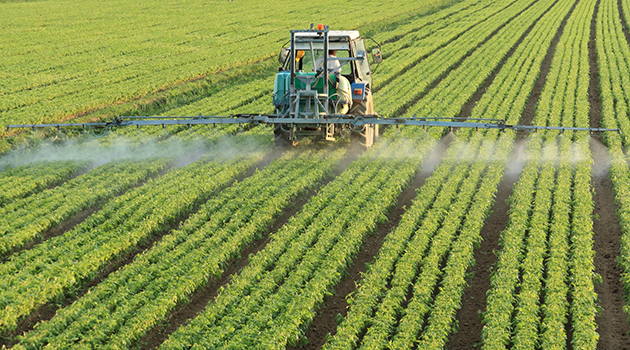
pixel 209 237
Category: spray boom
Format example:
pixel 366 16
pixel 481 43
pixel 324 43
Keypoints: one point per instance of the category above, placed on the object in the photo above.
pixel 357 122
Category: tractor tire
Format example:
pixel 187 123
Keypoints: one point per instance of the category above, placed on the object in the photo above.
pixel 281 137
pixel 366 137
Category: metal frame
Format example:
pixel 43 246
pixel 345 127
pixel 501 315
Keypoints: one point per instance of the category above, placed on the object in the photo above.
pixel 356 121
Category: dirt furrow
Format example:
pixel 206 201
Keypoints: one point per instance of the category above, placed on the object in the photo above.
pixel 336 306
pixel 530 106
pixel 624 25
pixel 612 322
pixel 46 312
pixel 201 298
pixel 474 299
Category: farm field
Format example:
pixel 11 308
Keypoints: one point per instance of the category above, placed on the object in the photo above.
pixel 209 237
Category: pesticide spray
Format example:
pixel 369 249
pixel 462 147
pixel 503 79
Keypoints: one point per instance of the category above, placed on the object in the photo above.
pixel 120 147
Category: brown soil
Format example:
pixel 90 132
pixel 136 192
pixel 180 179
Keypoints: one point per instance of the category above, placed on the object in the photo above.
pixel 202 297
pixel 48 311
pixel 325 322
pixel 530 106
pixel 624 25
pixel 466 110
pixel 595 110
pixel 612 322
pixel 403 109
pixel 468 335
pixel 474 298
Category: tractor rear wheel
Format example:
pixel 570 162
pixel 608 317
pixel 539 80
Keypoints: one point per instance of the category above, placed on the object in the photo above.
pixel 366 137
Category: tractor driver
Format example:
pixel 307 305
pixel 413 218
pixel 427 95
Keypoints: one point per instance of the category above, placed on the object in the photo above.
pixel 333 63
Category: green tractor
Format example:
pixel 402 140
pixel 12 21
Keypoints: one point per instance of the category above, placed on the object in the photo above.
pixel 324 74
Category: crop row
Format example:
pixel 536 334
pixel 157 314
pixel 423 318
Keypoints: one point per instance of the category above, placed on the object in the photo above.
pixel 236 324
pixel 26 180
pixel 505 99
pixel 243 94
pixel 62 264
pixel 421 219
pixel 414 252
pixel 131 301
pixel 410 321
pixel 246 329
pixel 447 99
pixel 131 66
pixel 537 255
pixel 275 296
pixel 423 317
pixel 228 99
pixel 402 31
pixel 25 219
pixel 402 54
pixel 613 59
pixel 418 78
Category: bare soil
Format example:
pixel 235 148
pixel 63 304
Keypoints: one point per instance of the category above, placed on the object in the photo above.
pixel 474 299
pixel 612 323
pixel 201 298
pixel 335 306
pixel 595 110
pixel 532 101
pixel 46 312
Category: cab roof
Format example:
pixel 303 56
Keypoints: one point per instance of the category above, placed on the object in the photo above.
pixel 352 34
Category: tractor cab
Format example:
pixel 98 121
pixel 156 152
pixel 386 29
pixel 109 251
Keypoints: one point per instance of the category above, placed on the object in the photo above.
pixel 324 73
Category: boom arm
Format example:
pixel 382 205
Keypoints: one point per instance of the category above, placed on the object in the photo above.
pixel 357 121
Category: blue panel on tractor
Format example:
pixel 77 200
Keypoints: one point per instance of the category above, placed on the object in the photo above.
pixel 358 91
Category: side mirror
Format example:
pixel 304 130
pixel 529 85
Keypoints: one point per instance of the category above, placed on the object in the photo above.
pixel 284 53
pixel 376 56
